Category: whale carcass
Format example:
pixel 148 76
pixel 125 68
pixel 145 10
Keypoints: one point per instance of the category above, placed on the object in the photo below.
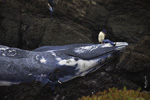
pixel 75 60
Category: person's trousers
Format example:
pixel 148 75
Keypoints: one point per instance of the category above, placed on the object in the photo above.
pixel 51 10
pixel 108 41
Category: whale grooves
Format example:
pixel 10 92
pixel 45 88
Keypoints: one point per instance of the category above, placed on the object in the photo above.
pixel 75 60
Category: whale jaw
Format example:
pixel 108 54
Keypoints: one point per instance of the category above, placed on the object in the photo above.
pixel 86 66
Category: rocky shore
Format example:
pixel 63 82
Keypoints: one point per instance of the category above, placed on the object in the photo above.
pixel 27 24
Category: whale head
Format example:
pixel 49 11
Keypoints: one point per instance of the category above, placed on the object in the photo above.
pixel 85 59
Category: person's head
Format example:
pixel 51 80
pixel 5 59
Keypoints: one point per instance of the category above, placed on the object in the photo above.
pixel 104 31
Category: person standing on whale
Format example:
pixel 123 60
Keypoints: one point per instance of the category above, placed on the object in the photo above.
pixel 101 38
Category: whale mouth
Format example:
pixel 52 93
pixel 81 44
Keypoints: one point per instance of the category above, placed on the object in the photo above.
pixel 117 44
pixel 122 44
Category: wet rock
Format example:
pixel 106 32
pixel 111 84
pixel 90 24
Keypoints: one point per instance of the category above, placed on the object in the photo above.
pixel 127 21
pixel 134 63
pixel 65 33
pixel 136 57
pixel 26 23
pixel 9 25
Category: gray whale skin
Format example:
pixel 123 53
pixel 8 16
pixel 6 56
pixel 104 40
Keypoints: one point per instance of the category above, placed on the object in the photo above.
pixel 73 61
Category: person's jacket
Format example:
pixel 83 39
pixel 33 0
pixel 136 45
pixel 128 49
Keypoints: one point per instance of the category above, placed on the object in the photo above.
pixel 101 36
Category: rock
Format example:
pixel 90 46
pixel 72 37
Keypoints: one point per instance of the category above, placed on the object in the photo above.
pixel 37 32
pixel 136 58
pixel 33 29
pixel 125 21
pixel 128 23
pixel 134 63
pixel 9 25
pixel 60 33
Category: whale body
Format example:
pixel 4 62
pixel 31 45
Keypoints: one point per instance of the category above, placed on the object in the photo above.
pixel 75 60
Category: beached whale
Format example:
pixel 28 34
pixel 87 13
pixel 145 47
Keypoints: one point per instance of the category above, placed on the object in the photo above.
pixel 75 60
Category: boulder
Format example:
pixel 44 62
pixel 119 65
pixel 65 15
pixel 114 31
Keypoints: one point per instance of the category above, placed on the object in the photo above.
pixel 134 63
pixel 23 22
pixel 26 26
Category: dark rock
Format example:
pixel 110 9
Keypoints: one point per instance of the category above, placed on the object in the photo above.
pixel 134 63
pixel 9 25
pixel 27 24
pixel 136 58
pixel 127 21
